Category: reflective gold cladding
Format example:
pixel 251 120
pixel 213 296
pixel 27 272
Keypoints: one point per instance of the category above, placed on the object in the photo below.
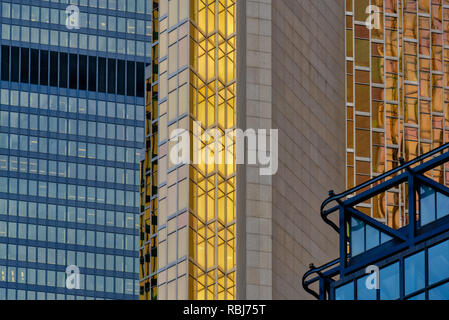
pixel 212 232
pixel 397 93
pixel 188 229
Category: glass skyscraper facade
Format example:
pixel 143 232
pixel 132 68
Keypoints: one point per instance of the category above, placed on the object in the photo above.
pixel 71 141
pixel 188 221
pixel 397 99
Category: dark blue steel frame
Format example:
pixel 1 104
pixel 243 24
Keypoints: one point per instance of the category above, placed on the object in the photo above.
pixel 403 240
pixel 84 94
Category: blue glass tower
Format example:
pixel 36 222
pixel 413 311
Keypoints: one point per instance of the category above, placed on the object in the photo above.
pixel 71 140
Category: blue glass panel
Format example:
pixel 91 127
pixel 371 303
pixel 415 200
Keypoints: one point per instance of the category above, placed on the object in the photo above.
pixel 414 273
pixel 357 237
pixel 421 296
pixel 439 262
pixel 440 293
pixel 345 292
pixel 384 238
pixel 442 205
pixel 363 293
pixel 372 237
pixel 427 199
pixel 389 282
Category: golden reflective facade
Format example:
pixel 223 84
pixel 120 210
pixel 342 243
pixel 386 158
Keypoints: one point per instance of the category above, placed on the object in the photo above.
pixel 397 97
pixel 188 229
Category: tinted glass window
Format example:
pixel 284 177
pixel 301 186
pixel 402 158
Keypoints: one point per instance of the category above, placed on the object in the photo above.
pixel 73 74
pixel 44 68
pixel 14 64
pixel 34 72
pixel 92 74
pixel 24 65
pixel 140 79
pixel 357 237
pixel 101 74
pixel 131 76
pixel 63 70
pixel 389 282
pixel 440 293
pixel 82 72
pixel 427 200
pixel 111 75
pixel 121 77
pixel 442 205
pixel 345 292
pixel 364 290
pixel 5 63
pixel 54 69
pixel 72 71
pixel 439 262
pixel 414 273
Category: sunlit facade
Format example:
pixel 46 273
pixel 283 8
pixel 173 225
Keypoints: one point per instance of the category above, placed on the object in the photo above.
pixel 188 220
pixel 396 97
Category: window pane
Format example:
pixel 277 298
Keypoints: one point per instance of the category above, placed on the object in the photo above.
pixel 414 273
pixel 53 69
pixel 363 293
pixel 130 85
pixel 73 74
pixel 102 74
pixel 442 205
pixel 440 293
pixel 44 68
pixel 357 237
pixel 63 70
pixel 5 63
pixel 439 262
pixel 345 292
pixel 92 74
pixel 82 72
pixel 372 237
pixel 427 199
pixel 421 296
pixel 389 282
pixel 14 64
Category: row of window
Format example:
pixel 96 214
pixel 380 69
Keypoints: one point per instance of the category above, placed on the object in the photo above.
pixel 71 104
pixel 71 126
pixel 75 71
pixel 422 271
pixel 58 279
pixel 69 170
pixel 138 6
pixel 14 294
pixel 69 148
pixel 98 239
pixel 62 257
pixel 433 206
pixel 64 191
pixel 76 40
pixel 62 213
pixel 86 20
